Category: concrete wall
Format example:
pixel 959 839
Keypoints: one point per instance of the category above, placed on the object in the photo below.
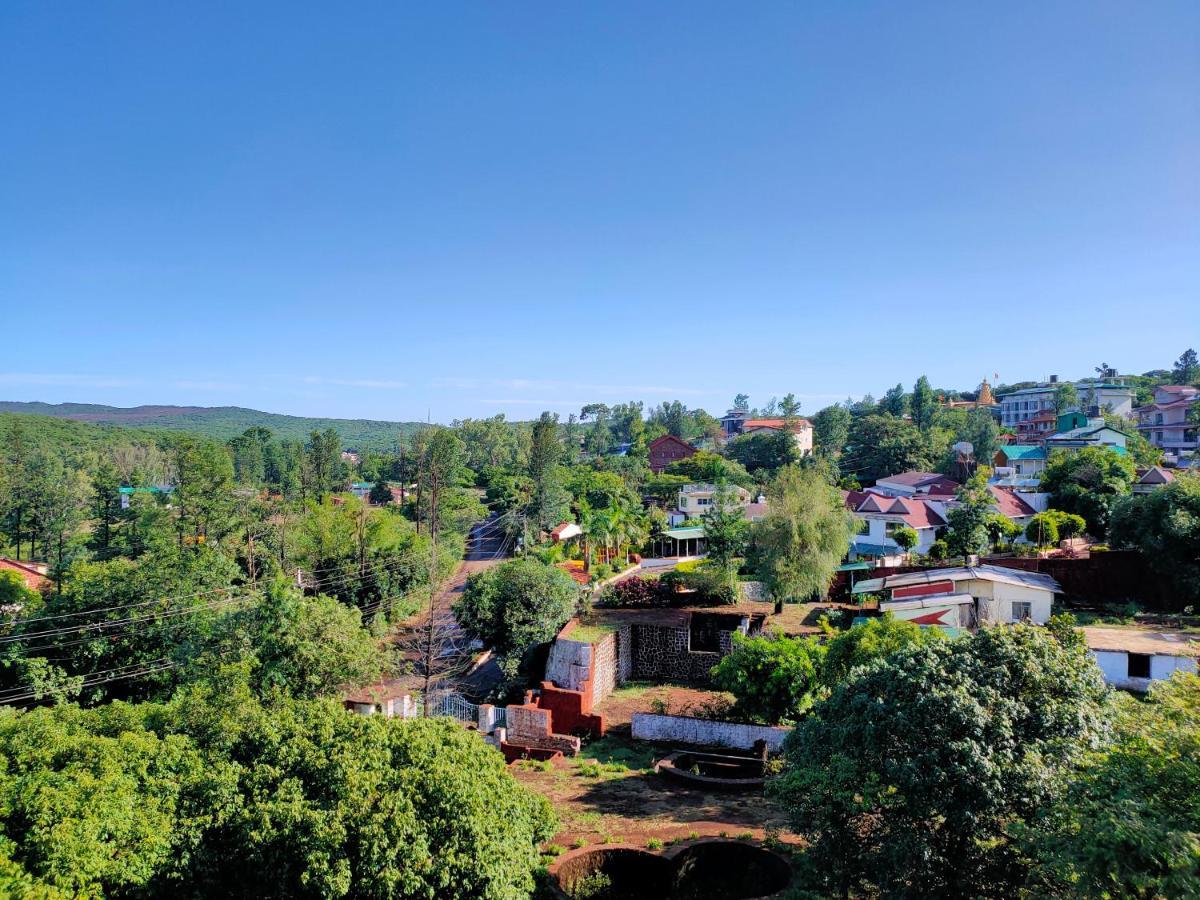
pixel 705 732
pixel 595 668
pixel 1115 666
pixel 996 600
pixel 569 664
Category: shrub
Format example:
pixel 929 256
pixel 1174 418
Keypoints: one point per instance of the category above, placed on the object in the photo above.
pixel 635 592
pixel 772 677
pixel 939 549
pixel 1042 530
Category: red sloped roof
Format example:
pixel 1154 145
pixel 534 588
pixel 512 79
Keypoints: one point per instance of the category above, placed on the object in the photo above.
pixel 1010 504
pixel 32 577
pixel 777 424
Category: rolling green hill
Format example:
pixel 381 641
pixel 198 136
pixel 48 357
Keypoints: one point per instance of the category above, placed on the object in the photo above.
pixel 222 422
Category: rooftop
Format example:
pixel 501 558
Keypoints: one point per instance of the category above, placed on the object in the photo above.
pixel 1138 640
pixel 961 573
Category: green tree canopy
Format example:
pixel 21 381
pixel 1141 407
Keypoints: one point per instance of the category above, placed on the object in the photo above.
pixel 907 778
pixel 1088 482
pixel 868 641
pixel 772 677
pixel 1164 526
pixel 515 605
pixel 1128 825
pixel 763 451
pixel 804 536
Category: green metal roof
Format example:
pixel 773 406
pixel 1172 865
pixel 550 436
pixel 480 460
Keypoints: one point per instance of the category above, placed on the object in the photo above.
pixel 1024 451
pixel 683 534
pixel 854 567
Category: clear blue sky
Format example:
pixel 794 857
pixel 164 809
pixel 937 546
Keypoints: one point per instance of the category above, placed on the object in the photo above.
pixel 379 209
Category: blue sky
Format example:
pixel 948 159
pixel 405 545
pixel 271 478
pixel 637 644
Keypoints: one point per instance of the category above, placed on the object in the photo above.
pixel 384 210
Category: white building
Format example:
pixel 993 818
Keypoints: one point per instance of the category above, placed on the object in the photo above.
pixel 1019 407
pixel 697 499
pixel 1132 659
pixel 999 596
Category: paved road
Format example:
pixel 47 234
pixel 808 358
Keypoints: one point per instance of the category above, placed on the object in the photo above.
pixel 486 546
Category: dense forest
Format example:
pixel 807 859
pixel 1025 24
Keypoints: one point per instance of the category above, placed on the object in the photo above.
pixel 223 422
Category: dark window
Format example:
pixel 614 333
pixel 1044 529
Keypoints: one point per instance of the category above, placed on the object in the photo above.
pixel 1139 665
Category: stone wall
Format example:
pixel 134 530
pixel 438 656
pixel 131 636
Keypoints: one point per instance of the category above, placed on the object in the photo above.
pixel 661 653
pixel 604 667
pixel 706 732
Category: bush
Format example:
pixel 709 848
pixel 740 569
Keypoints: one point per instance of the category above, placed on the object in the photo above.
pixel 635 592
pixel 772 677
pixel 1042 530
pixel 707 584
pixel 939 549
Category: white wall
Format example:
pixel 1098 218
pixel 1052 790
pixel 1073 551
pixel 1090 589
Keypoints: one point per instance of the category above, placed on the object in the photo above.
pixel 996 599
pixel 705 732
pixel 1115 666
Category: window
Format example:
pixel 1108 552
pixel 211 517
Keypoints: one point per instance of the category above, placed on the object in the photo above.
pixel 1158 418
pixel 1021 610
pixel 892 527
pixel 864 526
pixel 1139 665
pixel 704 501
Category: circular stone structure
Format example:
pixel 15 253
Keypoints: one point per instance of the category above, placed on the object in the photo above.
pixel 704 869
pixel 727 870
pixel 614 871
pixel 712 771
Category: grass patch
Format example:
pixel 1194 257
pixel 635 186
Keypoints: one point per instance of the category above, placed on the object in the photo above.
pixel 536 765
pixel 554 850
pixel 621 753
pixel 654 844
pixel 590 634
pixel 579 843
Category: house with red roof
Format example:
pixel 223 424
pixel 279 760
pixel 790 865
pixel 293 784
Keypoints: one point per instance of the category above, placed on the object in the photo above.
pixel 880 515
pixel 667 449
pixel 801 429
pixel 33 574
pixel 912 484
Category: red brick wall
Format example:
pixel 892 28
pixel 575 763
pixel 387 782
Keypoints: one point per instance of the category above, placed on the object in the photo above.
pixel 570 711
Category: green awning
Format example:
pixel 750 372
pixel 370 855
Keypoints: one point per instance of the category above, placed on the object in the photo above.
pixel 684 534
pixel 855 567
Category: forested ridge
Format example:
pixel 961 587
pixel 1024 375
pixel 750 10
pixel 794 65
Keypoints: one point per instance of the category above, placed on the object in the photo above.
pixel 222 422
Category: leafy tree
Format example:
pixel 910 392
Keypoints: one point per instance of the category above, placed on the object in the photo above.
pixel 764 451
pixel 1164 527
pixel 772 677
pixel 303 646
pixel 804 536
pixel 1042 530
pixel 381 493
pixel 218 794
pixel 1128 824
pixel 726 530
pixel 323 469
pixel 831 430
pixel 742 402
pixel 516 605
pixel 710 468
pixel 789 406
pixel 895 401
pixel 548 501
pixel 906 538
pixel 92 800
pixel 907 779
pixel 1088 482
pixel 1066 398
pixel 884 445
pixel 923 404
pixel 1187 368
pixel 968 521
pixel 868 641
